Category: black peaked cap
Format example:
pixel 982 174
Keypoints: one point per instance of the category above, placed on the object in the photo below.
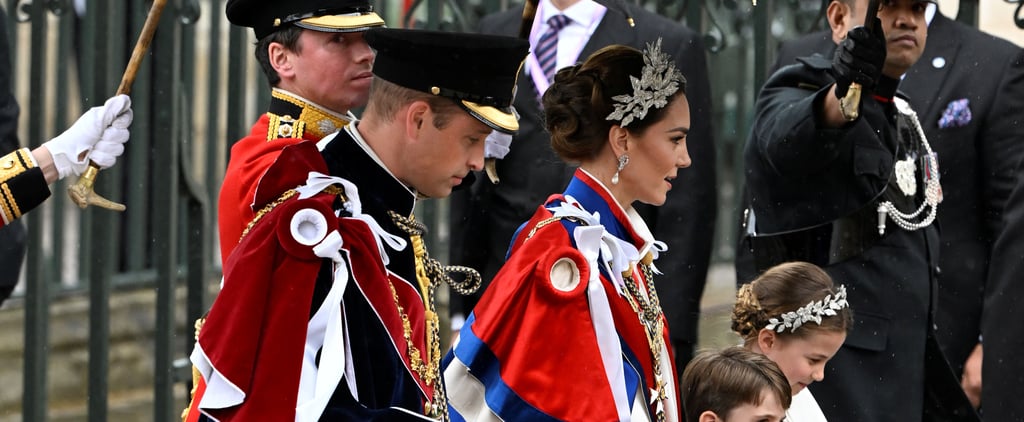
pixel 478 71
pixel 267 16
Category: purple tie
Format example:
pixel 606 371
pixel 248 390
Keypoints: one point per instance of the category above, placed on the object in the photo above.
pixel 547 46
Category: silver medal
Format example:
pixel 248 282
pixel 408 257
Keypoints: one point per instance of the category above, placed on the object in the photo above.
pixel 905 178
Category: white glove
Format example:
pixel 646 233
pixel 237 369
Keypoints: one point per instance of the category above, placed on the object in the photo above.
pixel 497 143
pixel 99 135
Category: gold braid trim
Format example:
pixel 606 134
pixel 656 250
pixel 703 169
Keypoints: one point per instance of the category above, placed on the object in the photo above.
pixel 196 376
pixel 10 212
pixel 332 190
pixel 266 209
pixel 312 119
pixel 548 221
pixel 12 165
pixel 15 163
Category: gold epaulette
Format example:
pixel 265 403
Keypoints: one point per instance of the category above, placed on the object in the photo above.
pixel 294 117
pixel 13 165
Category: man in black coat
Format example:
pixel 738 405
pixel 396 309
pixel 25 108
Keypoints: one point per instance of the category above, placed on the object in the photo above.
pixel 820 171
pixel 965 88
pixel 485 216
pixel 12 236
pixel 1003 368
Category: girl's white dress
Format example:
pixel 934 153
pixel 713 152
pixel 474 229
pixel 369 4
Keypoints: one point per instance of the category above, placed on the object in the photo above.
pixel 804 408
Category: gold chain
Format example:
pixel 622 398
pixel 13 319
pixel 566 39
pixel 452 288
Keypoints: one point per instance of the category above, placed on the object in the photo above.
pixel 429 274
pixel 648 310
pixel 545 222
pixel 332 190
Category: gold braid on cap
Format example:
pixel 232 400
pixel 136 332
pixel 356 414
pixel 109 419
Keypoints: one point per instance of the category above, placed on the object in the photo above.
pixel 658 81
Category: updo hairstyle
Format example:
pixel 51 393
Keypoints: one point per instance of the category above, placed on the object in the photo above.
pixel 785 288
pixel 579 100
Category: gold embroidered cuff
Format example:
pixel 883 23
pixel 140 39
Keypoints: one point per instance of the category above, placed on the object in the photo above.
pixel 22 185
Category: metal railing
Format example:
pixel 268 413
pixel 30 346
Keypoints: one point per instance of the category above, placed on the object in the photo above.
pixel 185 106
pixel 196 93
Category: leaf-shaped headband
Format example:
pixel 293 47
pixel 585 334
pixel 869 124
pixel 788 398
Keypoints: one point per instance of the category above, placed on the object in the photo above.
pixel 811 312
pixel 658 81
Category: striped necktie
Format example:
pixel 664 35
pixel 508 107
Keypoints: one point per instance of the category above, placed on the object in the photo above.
pixel 547 46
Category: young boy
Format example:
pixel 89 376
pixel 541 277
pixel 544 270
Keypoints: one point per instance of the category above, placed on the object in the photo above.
pixel 734 385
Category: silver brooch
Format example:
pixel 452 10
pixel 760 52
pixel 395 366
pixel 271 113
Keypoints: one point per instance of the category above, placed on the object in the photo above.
pixel 658 81
pixel 905 177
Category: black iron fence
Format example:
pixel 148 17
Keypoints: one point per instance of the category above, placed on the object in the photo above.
pixel 197 91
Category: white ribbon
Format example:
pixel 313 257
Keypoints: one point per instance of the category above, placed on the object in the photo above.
pixel 590 242
pixel 618 255
pixel 318 382
pixel 317 182
pixel 571 208
pixel 383 237
pixel 657 247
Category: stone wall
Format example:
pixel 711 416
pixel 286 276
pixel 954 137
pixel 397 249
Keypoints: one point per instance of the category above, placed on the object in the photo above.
pixel 132 319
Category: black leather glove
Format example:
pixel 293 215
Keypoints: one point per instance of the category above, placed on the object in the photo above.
pixel 859 58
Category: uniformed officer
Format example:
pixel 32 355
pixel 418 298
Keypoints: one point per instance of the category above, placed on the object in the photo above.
pixel 318 67
pixel 327 309
pixel 850 183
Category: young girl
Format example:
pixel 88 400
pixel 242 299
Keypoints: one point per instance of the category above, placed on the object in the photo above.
pixel 796 317
pixel 735 385
pixel 571 327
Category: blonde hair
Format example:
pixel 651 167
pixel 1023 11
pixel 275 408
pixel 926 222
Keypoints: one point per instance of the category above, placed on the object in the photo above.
pixel 386 98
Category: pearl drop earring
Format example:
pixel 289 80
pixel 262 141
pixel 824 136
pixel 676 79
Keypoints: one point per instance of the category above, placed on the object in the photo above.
pixel 623 160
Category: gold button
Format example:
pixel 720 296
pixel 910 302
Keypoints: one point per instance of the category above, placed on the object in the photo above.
pixel 435 90
pixel 9 164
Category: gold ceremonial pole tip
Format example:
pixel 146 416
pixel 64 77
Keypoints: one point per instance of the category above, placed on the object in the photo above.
pixel 82 192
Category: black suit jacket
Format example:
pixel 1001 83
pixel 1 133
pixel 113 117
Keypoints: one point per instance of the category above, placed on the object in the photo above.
pixel 976 159
pixel 12 236
pixel 485 216
pixel 1003 369
pixel 801 175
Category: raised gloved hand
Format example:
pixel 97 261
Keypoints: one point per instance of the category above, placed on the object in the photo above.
pixel 99 135
pixel 859 58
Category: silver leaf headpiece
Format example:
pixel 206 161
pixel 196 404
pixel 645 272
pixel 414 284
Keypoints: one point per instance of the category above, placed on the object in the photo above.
pixel 658 81
pixel 811 312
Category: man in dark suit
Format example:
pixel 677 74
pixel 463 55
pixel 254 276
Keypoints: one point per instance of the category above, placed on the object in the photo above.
pixel 12 237
pixel 1003 368
pixel 965 88
pixel 485 216
pixel 836 182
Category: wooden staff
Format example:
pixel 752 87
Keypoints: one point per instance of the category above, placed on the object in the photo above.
pixel 82 191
